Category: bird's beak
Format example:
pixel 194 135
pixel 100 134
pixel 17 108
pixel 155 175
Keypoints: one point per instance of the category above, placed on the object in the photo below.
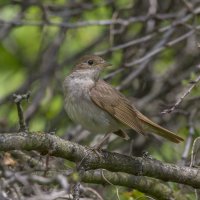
pixel 106 64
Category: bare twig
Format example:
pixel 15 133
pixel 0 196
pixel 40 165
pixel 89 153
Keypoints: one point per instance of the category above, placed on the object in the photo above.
pixel 178 102
pixel 76 191
pixel 190 137
pixel 17 99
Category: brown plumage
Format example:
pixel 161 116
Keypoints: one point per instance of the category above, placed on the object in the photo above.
pixel 100 108
pixel 117 105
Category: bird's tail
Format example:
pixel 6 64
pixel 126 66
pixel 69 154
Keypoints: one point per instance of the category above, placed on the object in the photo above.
pixel 165 133
pixel 157 129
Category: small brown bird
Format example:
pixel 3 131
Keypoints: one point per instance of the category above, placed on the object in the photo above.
pixel 100 108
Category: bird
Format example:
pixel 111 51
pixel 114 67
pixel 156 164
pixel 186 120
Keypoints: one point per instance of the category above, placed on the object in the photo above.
pixel 100 108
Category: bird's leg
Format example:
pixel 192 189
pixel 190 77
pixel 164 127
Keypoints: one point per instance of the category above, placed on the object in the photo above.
pixel 100 144
pixel 97 147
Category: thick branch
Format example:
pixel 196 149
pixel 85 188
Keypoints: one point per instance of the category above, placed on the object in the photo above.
pixel 46 143
pixel 149 186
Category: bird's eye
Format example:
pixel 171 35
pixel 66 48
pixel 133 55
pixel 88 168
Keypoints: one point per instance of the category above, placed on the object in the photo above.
pixel 90 62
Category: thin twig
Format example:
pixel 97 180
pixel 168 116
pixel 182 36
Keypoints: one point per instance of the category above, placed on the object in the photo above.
pixel 178 102
pixel 76 191
pixel 17 99
pixel 190 137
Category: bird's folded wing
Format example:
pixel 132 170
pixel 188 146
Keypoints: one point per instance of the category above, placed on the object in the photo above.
pixel 119 107
pixel 110 100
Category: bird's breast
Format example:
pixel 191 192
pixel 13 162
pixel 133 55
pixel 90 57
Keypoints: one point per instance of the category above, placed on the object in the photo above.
pixel 83 110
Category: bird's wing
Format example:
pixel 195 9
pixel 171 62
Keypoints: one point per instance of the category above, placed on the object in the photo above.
pixel 117 105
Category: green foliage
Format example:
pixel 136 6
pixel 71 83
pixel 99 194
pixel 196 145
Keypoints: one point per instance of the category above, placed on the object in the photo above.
pixel 54 106
pixel 169 153
pixel 37 124
pixel 9 12
pixel 11 79
pixel 124 4
pixel 164 62
pixel 33 13
pixel 24 38
pixel 132 195
pixel 8 60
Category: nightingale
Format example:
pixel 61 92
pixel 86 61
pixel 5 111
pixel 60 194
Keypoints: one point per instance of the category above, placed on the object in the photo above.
pixel 100 108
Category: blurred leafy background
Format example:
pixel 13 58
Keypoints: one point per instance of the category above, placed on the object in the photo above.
pixel 153 46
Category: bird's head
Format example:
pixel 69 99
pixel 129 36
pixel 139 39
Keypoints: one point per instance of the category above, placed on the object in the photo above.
pixel 91 65
pixel 91 62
